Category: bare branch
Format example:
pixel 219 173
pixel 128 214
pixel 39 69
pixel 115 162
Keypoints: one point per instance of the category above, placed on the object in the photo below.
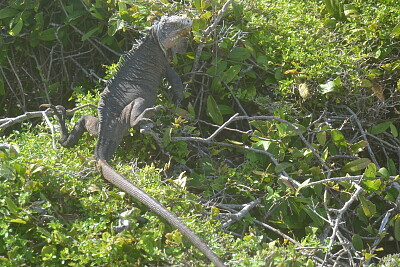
pixel 7 122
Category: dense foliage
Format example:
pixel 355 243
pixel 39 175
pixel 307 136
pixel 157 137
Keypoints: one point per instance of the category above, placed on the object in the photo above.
pixel 285 150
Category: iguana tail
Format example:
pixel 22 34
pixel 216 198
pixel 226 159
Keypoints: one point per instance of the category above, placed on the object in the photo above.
pixel 121 182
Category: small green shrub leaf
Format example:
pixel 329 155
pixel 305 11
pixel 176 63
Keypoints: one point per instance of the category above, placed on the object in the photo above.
pixel 380 128
pixel 370 171
pixel 17 28
pixel 321 137
pixel 391 167
pixel 338 138
pixel 357 242
pixel 393 130
pixel 372 185
pixel 239 54
pixel 89 34
pixel 213 110
pixel 356 165
pixel 331 86
pixel 231 73
pixel 7 13
pixel 384 173
pixel 397 229
pixel 11 206
pixel 396 30
pixel 368 207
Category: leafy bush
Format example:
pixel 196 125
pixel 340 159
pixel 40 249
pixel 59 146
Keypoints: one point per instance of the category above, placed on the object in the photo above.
pixel 287 136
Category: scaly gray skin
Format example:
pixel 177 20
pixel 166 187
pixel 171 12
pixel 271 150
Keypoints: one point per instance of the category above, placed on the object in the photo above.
pixel 127 101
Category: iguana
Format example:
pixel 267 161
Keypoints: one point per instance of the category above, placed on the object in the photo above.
pixel 127 101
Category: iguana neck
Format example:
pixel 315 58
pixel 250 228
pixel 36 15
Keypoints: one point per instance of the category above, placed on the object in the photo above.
pixel 154 33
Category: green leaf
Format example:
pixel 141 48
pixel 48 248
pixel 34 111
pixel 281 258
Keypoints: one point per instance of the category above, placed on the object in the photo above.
pixel 239 54
pixel 356 165
pixel 213 110
pixel 338 138
pixel 167 136
pixel 391 167
pixel 231 73
pixel 396 30
pixel 357 242
pixel 393 130
pixel 282 166
pixel 17 220
pixel 17 28
pixel 8 12
pixel 368 207
pixel 321 137
pixel 397 229
pixel 12 206
pixel 358 147
pixel 331 86
pixel 384 173
pixel 370 172
pixel 89 34
pixel 372 185
pixel 48 251
pixel 48 35
pixel 380 128
pixel 2 90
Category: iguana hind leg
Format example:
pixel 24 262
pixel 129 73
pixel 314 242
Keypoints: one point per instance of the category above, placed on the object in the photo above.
pixel 86 123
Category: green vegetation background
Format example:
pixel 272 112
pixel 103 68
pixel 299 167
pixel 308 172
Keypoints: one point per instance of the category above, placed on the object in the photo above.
pixel 327 75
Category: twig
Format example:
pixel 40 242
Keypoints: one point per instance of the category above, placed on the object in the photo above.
pixel 339 217
pixel 222 127
pixel 21 88
pixel 51 126
pixel 363 134
pixel 239 215
pixel 207 32
pixel 278 232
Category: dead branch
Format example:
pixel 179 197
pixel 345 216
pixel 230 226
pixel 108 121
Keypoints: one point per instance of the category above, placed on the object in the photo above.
pixel 7 122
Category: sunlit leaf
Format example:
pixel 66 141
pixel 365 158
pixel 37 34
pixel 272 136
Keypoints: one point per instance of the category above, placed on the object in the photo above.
pixel 370 171
pixel 396 30
pixel 368 207
pixel 384 173
pixel 17 27
pixel 338 138
pixel 331 86
pixel 372 185
pixel 356 165
pixel 11 205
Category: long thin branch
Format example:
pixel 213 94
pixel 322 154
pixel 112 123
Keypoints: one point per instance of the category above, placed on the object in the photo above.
pixel 363 134
pixel 239 215
pixel 7 122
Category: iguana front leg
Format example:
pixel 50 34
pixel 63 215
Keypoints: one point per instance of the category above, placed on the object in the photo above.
pixel 176 84
pixel 138 111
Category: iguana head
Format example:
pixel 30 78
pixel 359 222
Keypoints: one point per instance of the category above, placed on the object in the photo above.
pixel 170 30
